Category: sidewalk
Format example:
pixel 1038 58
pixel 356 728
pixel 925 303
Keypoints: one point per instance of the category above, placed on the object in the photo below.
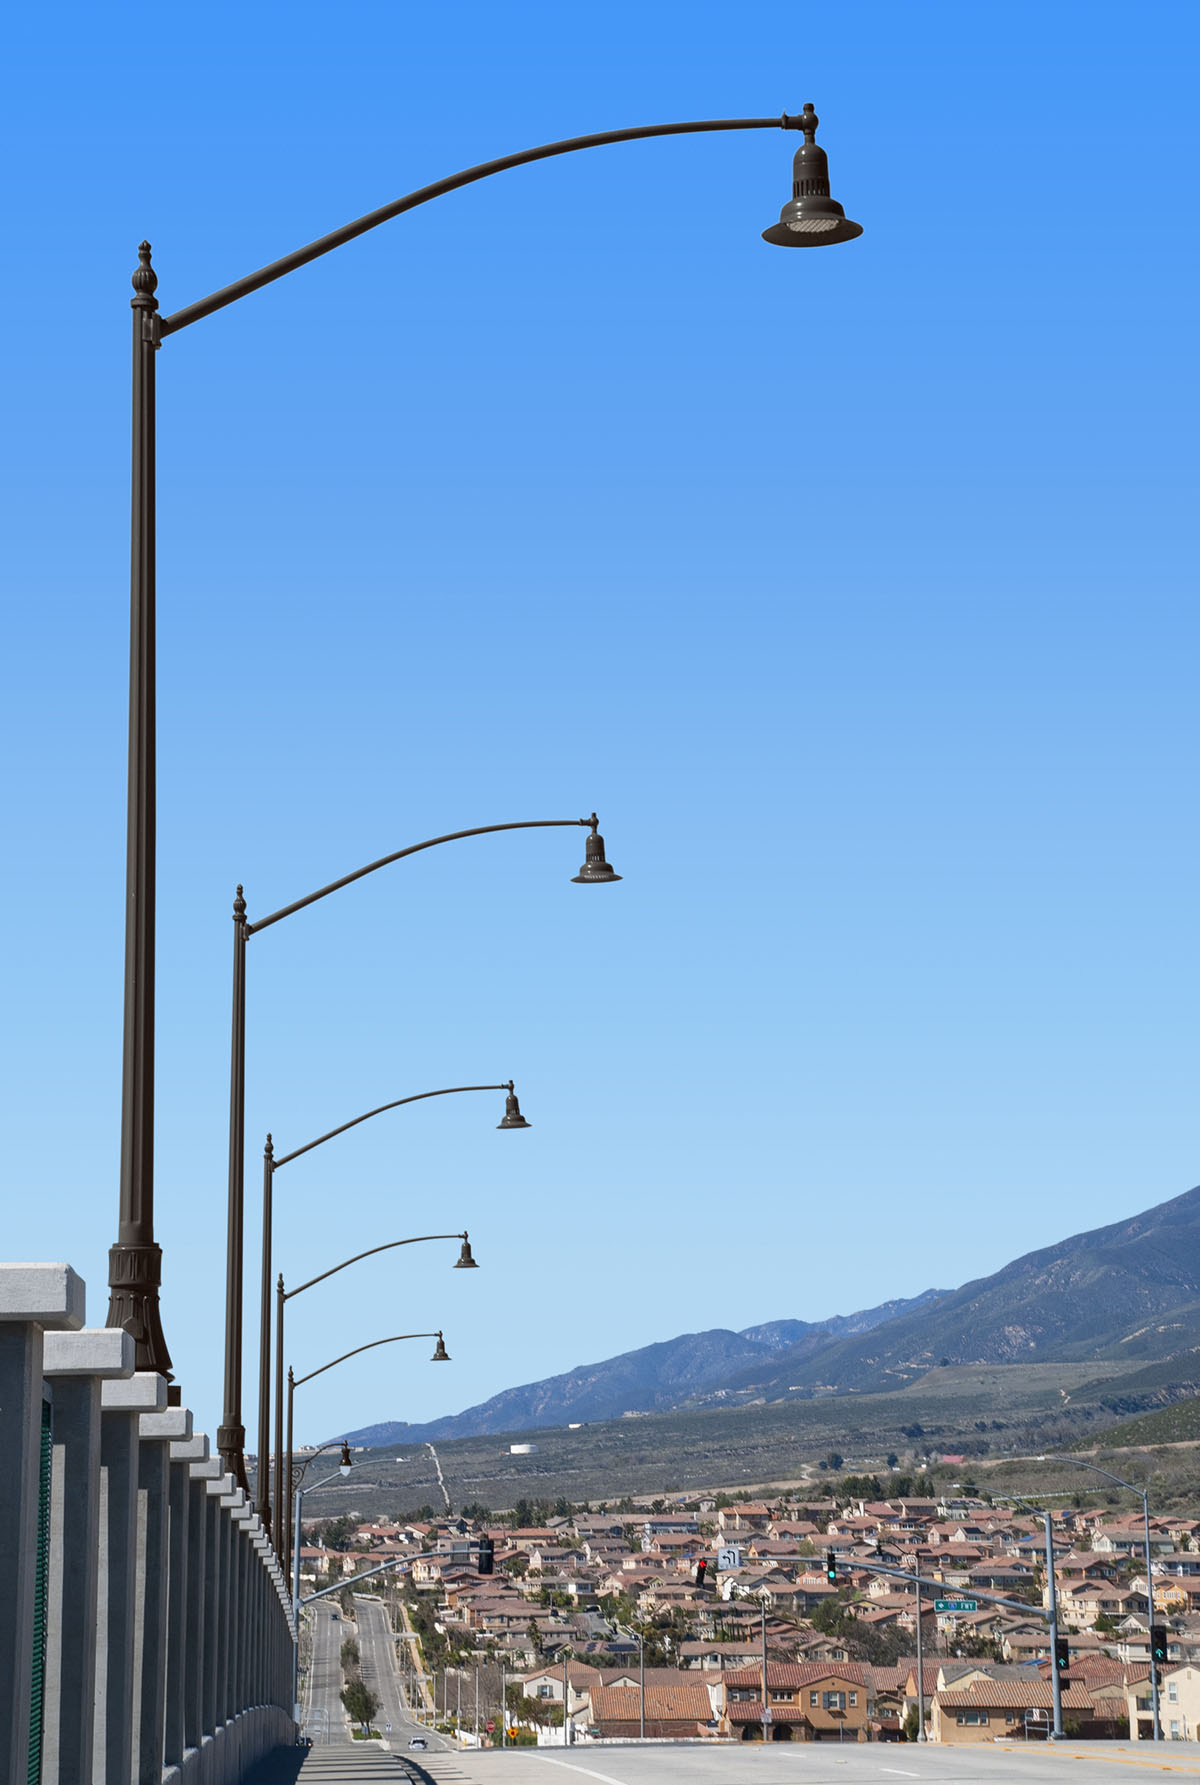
pixel 344 1764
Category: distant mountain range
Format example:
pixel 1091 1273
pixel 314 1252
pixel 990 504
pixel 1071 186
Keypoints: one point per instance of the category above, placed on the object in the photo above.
pixel 1124 1292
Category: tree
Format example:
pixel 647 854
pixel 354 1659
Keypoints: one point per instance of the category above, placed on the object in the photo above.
pixel 360 1704
pixel 349 1653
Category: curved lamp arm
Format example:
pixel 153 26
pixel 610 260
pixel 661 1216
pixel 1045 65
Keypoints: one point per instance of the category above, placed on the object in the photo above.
pixel 1120 1480
pixel 482 830
pixel 415 1240
pixel 450 1091
pixel 394 1340
pixel 267 275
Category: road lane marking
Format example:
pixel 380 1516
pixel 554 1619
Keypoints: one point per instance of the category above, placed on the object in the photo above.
pixel 899 1772
pixel 607 1777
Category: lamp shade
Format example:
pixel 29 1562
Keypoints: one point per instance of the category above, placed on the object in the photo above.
pixel 346 1461
pixel 440 1354
pixel 512 1114
pixel 594 868
pixel 811 219
pixel 465 1261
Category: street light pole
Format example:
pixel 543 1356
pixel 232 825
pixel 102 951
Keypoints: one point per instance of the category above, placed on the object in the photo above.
pixel 270 1166
pixel 464 1261
pixel 1144 1495
pixel 811 219
pixel 343 1470
pixel 231 1434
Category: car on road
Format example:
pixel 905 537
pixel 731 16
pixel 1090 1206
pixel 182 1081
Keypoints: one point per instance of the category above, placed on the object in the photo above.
pixel 418 1741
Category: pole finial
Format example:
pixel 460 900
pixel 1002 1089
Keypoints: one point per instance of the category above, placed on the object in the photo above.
pixel 144 280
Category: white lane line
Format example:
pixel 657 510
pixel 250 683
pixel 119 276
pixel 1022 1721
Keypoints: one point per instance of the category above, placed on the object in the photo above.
pixel 607 1777
pixel 899 1772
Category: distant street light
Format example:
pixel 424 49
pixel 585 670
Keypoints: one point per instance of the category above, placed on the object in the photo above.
pixel 440 1356
pixel 344 1468
pixel 270 1166
pixel 231 1434
pixel 464 1262
pixel 1143 1496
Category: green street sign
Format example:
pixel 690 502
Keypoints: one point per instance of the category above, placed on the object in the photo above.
pixel 955 1605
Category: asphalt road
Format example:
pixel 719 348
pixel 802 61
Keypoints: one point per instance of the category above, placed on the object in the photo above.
pixel 377 1660
pixel 322 1716
pixel 816 1763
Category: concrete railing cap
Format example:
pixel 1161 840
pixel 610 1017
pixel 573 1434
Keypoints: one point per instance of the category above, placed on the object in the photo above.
pixel 175 1424
pixel 190 1450
pixel 146 1392
pixel 101 1351
pixel 48 1294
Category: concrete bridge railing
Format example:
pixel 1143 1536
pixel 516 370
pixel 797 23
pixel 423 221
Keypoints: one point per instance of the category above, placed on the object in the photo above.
pixel 146 1628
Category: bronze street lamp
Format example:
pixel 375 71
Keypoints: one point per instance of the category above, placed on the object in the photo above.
pixel 464 1262
pixel 231 1434
pixel 440 1356
pixel 811 219
pixel 512 1119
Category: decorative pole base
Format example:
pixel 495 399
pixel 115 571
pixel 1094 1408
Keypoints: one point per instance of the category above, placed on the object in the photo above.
pixel 134 1274
pixel 231 1442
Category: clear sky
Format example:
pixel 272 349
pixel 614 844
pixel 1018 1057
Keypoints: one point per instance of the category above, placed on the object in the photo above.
pixel 854 589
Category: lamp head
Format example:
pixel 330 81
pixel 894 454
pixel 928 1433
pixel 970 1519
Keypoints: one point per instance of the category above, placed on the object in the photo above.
pixel 346 1462
pixel 811 219
pixel 440 1354
pixel 595 869
pixel 465 1261
pixel 512 1113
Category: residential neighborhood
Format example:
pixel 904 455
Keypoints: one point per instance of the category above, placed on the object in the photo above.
pixel 717 1617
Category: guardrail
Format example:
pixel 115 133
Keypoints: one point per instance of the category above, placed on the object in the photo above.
pixel 146 1629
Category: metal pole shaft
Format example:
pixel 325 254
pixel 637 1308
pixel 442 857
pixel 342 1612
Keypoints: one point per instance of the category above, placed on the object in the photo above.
pixel 281 1487
pixel 296 1607
pixel 1055 1682
pixel 264 1347
pixel 642 1684
pixel 920 1674
pixel 1157 1734
pixel 231 1435
pixel 293 1531
pixel 765 1701
pixel 135 1261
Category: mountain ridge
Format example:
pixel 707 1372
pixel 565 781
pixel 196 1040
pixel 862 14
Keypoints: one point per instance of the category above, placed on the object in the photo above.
pixel 1130 1289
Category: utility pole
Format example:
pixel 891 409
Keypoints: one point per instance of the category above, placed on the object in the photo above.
pixel 920 1673
pixel 766 1703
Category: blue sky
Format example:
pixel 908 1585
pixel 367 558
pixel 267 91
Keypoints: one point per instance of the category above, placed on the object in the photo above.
pixel 854 590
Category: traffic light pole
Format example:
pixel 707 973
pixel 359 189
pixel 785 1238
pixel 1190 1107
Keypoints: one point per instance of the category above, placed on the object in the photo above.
pixel 920 1673
pixel 1055 1681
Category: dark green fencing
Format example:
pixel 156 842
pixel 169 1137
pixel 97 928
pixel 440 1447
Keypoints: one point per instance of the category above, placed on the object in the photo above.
pixel 38 1697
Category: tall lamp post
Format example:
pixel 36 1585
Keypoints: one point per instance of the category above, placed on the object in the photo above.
pixel 231 1434
pixel 513 1119
pixel 440 1356
pixel 464 1262
pixel 1144 1496
pixel 810 219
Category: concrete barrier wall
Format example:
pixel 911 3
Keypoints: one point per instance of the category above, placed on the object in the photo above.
pixel 146 1629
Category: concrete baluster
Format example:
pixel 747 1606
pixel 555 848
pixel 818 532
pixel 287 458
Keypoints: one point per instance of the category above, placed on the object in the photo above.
pixel 161 1557
pixel 75 1364
pixel 121 1586
pixel 33 1297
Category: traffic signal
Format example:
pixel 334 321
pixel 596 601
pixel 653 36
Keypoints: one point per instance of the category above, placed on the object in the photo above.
pixel 487 1555
pixel 1158 1643
pixel 831 1568
pixel 701 1570
pixel 1062 1654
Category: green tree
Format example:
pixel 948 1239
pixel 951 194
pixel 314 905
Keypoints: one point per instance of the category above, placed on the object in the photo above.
pixel 349 1653
pixel 360 1704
